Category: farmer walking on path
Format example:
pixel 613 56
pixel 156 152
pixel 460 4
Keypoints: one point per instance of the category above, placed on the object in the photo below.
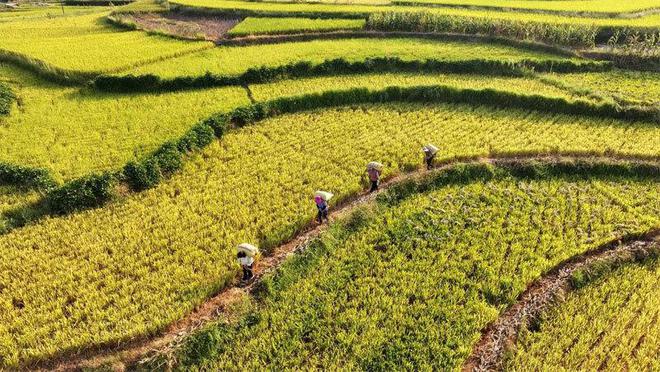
pixel 429 154
pixel 246 254
pixel 321 199
pixel 373 171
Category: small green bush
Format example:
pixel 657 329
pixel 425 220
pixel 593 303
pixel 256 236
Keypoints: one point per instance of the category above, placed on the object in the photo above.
pixel 87 192
pixel 143 175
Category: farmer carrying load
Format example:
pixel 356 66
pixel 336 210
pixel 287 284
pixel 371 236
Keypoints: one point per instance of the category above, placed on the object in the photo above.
pixel 373 171
pixel 321 199
pixel 429 154
pixel 246 254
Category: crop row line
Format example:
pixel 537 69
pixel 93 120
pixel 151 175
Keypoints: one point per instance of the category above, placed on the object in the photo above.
pixel 148 350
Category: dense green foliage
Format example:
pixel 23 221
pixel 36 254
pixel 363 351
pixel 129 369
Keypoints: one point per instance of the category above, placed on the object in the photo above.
pixel 410 285
pixel 283 25
pixel 578 35
pixel 609 323
pixel 6 99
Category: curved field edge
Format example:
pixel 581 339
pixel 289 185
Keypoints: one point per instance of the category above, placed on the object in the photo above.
pixel 551 289
pixel 98 189
pixel 607 321
pixel 135 352
pixel 340 66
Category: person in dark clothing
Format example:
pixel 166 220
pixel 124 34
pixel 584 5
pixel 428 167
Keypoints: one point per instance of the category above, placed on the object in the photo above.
pixel 374 177
pixel 246 263
pixel 322 207
pixel 429 155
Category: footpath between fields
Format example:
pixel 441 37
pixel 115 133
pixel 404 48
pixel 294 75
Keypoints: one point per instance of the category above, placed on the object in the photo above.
pixel 487 352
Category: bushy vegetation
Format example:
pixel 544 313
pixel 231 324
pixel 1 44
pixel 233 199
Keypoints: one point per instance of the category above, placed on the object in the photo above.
pixel 411 284
pixel 144 262
pixel 561 34
pixel 610 322
pixel 6 99
pixel 281 25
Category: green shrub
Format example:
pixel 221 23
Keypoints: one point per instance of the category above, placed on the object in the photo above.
pixel 142 175
pixel 6 99
pixel 87 192
pixel 197 137
pixel 169 158
pixel 26 177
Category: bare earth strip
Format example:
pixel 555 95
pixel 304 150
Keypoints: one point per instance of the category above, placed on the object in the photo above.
pixel 488 353
pixel 129 353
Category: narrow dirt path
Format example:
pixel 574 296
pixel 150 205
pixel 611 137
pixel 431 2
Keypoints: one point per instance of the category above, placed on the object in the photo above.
pixel 121 354
pixel 488 353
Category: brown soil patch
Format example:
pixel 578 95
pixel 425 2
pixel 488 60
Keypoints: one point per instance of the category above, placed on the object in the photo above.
pixel 496 339
pixel 183 26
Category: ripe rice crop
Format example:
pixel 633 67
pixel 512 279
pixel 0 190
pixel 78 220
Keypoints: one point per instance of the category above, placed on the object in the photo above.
pixel 610 323
pixel 411 286
pixel 627 87
pixel 135 266
pixel 236 60
pixel 265 92
pixel 261 26
pixel 12 198
pixel 73 132
pixel 84 43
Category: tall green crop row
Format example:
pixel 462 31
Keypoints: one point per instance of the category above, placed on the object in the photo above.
pixel 411 285
pixel 559 34
pixel 610 323
pixel 133 267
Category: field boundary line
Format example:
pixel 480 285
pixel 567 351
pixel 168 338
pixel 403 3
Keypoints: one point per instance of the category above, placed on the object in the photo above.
pixel 549 290
pixel 123 353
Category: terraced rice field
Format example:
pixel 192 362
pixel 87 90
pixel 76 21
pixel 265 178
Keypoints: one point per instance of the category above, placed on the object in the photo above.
pixel 236 60
pixel 132 164
pixel 172 246
pixel 413 284
pixel 612 322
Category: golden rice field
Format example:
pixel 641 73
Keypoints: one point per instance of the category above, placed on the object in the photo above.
pixel 231 150
pixel 610 323
pixel 139 264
